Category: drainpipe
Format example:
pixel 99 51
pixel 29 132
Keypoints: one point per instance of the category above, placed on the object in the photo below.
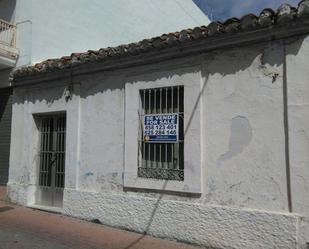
pixel 286 129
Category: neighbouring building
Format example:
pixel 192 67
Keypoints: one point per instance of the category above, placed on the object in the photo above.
pixel 33 30
pixel 199 136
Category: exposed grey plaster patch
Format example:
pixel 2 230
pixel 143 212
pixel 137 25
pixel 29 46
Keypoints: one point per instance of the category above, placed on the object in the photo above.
pixel 241 135
pixel 268 70
pixel 211 185
pixel 109 182
pixel 235 185
pixel 88 174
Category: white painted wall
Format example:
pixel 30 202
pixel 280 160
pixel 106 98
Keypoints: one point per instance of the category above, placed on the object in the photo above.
pixel 18 12
pixel 190 78
pixel 244 132
pixel 7 13
pixel 24 37
pixel 241 132
pixel 61 27
pixel 298 110
pixel 50 29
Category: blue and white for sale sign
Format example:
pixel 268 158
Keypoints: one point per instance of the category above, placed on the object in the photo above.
pixel 161 127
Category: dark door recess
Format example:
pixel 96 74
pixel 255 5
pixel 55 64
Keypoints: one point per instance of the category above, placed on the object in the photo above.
pixel 5 132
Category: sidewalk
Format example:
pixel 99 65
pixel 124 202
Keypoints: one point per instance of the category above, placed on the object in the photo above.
pixel 24 228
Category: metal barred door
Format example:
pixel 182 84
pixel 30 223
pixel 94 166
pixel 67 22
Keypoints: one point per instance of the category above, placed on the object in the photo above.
pixel 52 160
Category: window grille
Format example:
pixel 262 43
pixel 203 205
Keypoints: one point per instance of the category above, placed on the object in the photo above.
pixel 162 160
pixel 52 151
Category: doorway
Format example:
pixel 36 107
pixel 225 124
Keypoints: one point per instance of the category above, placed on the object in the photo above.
pixel 51 172
pixel 5 132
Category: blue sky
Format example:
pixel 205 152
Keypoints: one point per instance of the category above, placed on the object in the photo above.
pixel 223 9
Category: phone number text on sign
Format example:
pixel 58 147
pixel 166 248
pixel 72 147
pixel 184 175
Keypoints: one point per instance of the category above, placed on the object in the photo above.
pixel 161 127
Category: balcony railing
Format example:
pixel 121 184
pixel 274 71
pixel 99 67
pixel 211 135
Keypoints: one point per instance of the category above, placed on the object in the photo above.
pixel 8 39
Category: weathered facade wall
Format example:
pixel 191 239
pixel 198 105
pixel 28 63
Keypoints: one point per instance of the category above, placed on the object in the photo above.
pixel 236 116
pixel 298 121
pixel 245 164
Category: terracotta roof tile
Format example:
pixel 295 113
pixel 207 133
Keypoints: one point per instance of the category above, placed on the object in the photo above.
pixel 267 17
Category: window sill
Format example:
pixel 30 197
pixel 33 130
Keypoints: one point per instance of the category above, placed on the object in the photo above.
pixel 132 182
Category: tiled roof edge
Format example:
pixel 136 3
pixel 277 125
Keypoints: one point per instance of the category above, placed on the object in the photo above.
pixel 250 22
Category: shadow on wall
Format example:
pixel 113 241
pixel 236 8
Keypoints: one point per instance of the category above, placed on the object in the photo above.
pixel 101 82
pixel 269 56
pixel 7 10
pixel 243 57
pixel 4 77
pixel 4 100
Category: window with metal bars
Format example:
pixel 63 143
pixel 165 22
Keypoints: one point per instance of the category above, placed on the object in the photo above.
pixel 52 151
pixel 162 159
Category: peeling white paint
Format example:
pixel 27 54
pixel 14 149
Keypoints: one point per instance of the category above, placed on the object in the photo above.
pixel 298 111
pixel 235 145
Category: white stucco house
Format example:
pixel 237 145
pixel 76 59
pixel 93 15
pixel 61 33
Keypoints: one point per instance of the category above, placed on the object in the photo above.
pixel 32 31
pixel 199 136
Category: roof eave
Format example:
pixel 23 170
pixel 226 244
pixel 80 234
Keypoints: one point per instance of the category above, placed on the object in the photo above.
pixel 289 29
